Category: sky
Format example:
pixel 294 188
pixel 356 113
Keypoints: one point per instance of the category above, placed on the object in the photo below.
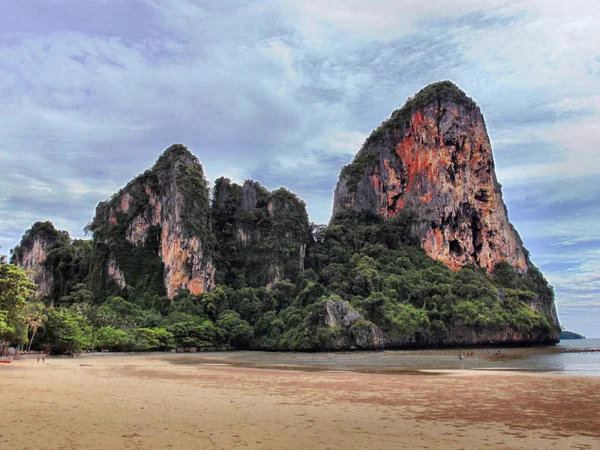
pixel 285 93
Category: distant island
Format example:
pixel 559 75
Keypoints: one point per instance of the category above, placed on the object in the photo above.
pixel 570 335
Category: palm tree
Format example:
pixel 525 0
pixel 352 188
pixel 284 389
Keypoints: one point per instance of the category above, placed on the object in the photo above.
pixel 35 319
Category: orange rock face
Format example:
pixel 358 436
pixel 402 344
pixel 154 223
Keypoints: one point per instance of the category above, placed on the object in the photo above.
pixel 115 272
pixel 439 163
pixel 184 266
pixel 32 260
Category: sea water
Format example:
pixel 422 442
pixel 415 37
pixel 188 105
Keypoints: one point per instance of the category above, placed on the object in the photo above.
pixel 584 358
pixel 574 357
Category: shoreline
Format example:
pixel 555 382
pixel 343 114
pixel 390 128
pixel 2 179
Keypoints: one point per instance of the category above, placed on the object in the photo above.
pixel 548 360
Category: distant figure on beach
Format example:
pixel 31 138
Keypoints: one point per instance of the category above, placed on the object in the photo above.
pixel 499 351
pixel 460 356
pixel 38 359
pixel 43 359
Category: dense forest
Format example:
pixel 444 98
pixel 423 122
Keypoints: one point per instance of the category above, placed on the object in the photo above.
pixel 369 265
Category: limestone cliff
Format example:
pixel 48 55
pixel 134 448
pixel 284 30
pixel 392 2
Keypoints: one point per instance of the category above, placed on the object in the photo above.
pixel 55 262
pixel 158 223
pixel 261 235
pixel 32 252
pixel 434 157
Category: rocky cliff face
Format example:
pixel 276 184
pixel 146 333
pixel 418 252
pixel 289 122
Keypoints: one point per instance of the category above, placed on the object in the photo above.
pixel 262 236
pixel 32 252
pixel 162 218
pixel 434 158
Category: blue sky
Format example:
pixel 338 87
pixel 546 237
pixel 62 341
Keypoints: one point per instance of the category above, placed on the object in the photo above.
pixel 91 91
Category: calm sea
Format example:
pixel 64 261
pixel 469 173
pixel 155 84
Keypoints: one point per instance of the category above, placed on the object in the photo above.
pixel 583 357
pixel 575 357
pixel 578 357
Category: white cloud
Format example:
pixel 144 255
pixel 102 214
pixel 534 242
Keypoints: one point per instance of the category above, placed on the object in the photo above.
pixel 383 20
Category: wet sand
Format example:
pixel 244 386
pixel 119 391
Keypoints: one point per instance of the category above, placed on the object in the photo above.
pixel 219 401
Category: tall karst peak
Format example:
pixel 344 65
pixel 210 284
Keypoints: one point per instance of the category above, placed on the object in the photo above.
pixel 174 155
pixel 158 228
pixel 437 92
pixel 433 158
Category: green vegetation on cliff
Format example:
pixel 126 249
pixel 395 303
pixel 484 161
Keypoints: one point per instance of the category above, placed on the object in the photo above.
pixel 66 261
pixel 281 283
pixel 140 264
pixel 354 171
pixel 260 234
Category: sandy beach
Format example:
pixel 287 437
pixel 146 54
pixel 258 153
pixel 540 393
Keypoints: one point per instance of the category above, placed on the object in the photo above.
pixel 155 401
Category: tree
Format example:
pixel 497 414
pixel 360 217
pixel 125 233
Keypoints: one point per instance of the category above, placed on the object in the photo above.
pixel 148 339
pixel 35 319
pixel 111 338
pixel 237 331
pixel 67 331
pixel 79 294
pixel 190 334
pixel 15 287
pixel 118 313
pixel 3 324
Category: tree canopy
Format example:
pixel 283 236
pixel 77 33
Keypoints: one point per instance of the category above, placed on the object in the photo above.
pixel 15 288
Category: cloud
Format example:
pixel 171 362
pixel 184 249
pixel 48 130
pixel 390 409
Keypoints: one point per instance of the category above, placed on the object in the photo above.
pixel 382 20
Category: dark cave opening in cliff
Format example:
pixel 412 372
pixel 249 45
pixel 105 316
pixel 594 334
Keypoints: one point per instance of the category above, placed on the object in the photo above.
pixel 455 247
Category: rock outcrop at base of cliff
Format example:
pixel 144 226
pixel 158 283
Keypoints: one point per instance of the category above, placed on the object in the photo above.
pixel 354 331
pixel 434 157
pixel 159 223
pixel 261 236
